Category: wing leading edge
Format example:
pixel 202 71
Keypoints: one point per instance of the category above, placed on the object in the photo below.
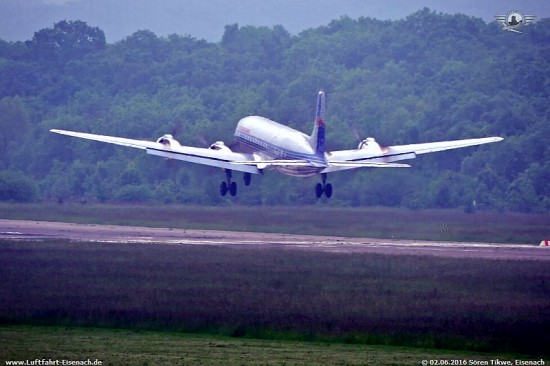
pixel 431 147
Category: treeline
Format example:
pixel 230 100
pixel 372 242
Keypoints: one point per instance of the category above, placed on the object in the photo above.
pixel 428 77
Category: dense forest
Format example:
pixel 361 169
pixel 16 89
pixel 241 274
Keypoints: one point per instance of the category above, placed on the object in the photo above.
pixel 427 77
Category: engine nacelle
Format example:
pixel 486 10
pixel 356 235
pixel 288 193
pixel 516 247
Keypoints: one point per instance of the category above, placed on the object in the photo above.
pixel 219 145
pixel 369 142
pixel 168 140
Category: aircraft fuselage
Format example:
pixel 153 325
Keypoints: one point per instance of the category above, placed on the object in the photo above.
pixel 270 140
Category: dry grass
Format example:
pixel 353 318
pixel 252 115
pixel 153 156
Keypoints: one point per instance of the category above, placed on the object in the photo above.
pixel 477 305
pixel 446 225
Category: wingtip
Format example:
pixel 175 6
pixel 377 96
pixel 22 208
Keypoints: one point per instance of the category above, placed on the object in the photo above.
pixel 61 132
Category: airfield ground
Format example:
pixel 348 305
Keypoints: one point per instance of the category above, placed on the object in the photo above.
pixel 20 230
pixel 363 222
pixel 196 293
pixel 472 297
pixel 130 347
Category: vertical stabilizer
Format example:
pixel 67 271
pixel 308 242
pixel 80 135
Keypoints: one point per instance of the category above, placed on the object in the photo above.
pixel 317 138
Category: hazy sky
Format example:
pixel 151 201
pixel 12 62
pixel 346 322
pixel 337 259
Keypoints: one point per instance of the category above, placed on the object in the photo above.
pixel 19 19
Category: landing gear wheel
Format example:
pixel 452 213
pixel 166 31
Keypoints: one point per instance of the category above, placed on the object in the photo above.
pixel 318 190
pixel 247 179
pixel 324 187
pixel 328 190
pixel 223 188
pixel 228 185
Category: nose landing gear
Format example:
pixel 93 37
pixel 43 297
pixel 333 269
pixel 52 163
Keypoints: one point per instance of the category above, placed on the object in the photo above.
pixel 325 187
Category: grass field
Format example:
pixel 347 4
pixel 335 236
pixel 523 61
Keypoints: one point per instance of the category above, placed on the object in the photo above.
pixel 427 302
pixel 448 225
pixel 127 347
pixel 146 304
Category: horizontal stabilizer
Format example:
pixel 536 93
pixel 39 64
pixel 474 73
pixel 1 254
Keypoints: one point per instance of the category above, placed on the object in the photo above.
pixel 274 162
pixel 367 164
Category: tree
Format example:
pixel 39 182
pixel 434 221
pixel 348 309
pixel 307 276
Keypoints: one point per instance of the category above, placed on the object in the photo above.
pixel 424 78
pixel 14 125
pixel 67 40
pixel 16 187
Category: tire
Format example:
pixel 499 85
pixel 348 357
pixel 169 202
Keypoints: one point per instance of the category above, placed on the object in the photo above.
pixel 328 190
pixel 318 190
pixel 223 188
pixel 233 189
pixel 247 179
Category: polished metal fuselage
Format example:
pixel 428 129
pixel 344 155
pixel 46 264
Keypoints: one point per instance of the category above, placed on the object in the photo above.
pixel 273 141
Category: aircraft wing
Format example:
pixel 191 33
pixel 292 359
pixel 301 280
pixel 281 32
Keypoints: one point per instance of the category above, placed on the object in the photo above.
pixel 385 157
pixel 431 147
pixel 217 158
pixel 139 144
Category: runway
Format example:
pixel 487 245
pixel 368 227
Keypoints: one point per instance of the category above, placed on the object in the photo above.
pixel 42 230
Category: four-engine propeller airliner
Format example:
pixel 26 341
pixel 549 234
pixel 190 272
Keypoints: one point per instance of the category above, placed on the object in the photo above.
pixel 264 144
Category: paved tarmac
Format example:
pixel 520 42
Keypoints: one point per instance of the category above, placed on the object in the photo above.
pixel 42 230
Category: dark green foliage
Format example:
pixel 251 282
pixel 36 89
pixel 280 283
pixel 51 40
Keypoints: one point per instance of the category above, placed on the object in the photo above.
pixel 427 77
pixel 14 127
pixel 16 187
pixel 66 41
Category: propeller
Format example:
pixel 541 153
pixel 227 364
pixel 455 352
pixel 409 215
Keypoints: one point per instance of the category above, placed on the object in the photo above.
pixel 362 140
pixel 355 131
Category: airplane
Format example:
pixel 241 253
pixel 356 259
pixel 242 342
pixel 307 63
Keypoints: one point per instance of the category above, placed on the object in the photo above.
pixel 262 144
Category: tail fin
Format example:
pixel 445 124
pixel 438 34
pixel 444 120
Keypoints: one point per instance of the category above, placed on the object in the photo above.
pixel 317 138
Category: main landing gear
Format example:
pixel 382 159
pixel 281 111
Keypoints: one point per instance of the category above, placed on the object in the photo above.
pixel 228 185
pixel 325 187
pixel 231 187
